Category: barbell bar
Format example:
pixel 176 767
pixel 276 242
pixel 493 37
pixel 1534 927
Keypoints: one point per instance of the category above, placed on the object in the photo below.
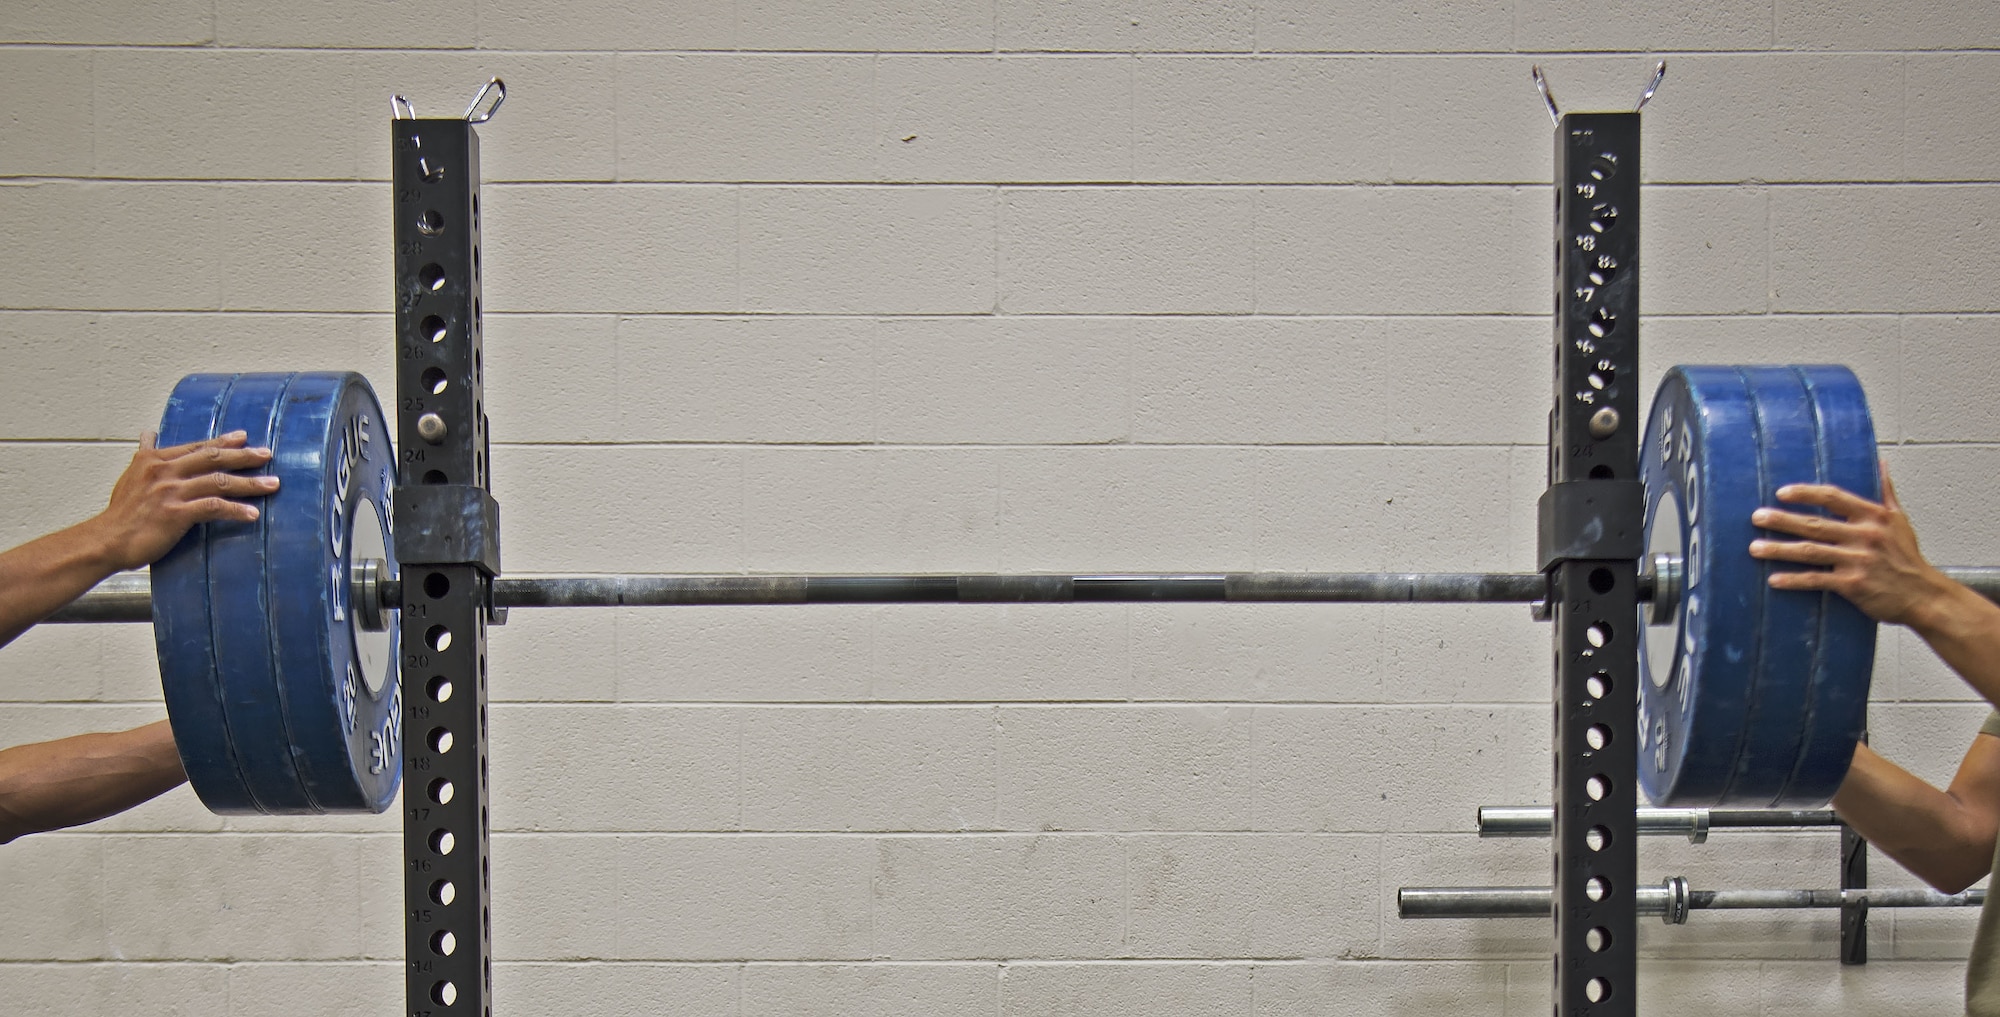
pixel 1694 824
pixel 1672 900
pixel 127 597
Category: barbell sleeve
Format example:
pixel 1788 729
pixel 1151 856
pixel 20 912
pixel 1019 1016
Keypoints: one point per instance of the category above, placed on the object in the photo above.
pixel 125 597
pixel 1694 824
pixel 1670 901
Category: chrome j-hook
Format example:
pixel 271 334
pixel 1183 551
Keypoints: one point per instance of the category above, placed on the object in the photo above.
pixel 1542 86
pixel 1659 75
pixel 498 90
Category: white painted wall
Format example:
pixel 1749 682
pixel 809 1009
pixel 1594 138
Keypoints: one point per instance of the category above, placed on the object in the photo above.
pixel 1001 285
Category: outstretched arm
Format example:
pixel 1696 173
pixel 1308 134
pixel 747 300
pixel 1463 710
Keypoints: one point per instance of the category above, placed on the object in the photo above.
pixel 69 781
pixel 160 495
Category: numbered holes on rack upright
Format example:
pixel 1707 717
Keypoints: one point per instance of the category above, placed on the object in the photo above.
pixel 1598 635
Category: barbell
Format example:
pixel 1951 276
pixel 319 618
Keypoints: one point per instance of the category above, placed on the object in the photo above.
pixel 1672 900
pixel 278 650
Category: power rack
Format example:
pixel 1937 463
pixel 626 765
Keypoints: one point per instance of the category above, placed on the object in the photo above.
pixel 1589 530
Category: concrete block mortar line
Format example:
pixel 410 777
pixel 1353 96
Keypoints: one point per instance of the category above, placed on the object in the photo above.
pixel 740 779
pixel 999 765
pixel 1257 273
pixel 993 762
pixel 1132 123
pixel 1256 821
pixel 1903 101
pixel 1381 883
pixel 1770 247
pixel 1545 56
pixel 1125 896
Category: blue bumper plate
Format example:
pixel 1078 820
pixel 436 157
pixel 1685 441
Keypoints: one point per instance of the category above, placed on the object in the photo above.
pixel 1837 709
pixel 1749 697
pixel 294 688
pixel 183 636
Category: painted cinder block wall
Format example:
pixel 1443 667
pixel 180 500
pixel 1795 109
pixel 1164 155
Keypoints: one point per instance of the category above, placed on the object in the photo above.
pixel 1003 285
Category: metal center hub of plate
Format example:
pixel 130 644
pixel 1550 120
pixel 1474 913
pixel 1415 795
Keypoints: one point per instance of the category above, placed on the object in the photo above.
pixel 1660 616
pixel 368 548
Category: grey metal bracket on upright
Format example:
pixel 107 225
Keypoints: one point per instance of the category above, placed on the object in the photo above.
pixel 1590 543
pixel 1583 519
pixel 448 524
pixel 447 542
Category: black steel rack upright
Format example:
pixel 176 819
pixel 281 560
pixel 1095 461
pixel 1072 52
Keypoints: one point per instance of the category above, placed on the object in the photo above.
pixel 1590 525
pixel 448 546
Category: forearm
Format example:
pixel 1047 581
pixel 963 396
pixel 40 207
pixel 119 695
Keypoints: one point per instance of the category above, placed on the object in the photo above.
pixel 71 781
pixel 1964 630
pixel 43 574
pixel 1927 831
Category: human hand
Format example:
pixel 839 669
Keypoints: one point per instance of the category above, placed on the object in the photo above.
pixel 166 491
pixel 1869 555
